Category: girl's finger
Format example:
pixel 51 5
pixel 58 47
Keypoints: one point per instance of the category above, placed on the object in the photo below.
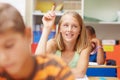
pixel 53 7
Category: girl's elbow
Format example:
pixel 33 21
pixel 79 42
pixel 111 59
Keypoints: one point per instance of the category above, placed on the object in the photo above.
pixel 80 74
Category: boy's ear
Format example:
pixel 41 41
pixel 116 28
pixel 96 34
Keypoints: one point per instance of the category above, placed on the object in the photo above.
pixel 28 33
pixel 94 35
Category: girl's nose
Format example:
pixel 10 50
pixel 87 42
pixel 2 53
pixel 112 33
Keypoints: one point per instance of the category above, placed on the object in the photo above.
pixel 69 28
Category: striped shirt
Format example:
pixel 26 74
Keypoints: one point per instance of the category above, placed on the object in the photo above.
pixel 47 68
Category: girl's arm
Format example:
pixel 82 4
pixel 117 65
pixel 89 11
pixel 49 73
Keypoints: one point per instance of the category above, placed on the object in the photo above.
pixel 48 22
pixel 80 70
pixel 41 47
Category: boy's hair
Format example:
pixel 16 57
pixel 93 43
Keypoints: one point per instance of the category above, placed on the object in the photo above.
pixel 10 18
pixel 82 41
pixel 90 29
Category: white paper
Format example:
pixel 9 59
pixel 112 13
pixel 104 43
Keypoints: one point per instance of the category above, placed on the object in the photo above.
pixel 93 63
pixel 84 78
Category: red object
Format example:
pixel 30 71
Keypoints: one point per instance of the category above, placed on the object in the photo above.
pixel 115 55
pixel 33 47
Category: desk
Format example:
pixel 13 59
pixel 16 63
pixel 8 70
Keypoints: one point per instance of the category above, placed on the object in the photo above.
pixel 102 66
pixel 103 78
pixel 102 70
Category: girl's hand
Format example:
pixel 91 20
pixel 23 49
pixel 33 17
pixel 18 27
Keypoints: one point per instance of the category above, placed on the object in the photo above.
pixel 49 19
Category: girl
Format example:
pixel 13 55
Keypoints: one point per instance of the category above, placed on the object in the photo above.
pixel 70 42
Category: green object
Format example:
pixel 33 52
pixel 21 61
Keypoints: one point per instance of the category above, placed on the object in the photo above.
pixel 73 62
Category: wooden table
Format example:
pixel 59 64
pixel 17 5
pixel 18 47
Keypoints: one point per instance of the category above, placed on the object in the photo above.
pixel 102 66
pixel 103 78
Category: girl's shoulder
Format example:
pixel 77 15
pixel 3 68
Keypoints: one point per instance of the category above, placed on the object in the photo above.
pixel 52 42
pixel 52 45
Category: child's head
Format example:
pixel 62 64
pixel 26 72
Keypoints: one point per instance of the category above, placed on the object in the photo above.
pixel 10 18
pixel 73 19
pixel 90 31
pixel 14 40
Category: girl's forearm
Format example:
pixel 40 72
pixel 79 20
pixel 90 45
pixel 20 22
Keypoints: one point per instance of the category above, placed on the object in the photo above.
pixel 41 47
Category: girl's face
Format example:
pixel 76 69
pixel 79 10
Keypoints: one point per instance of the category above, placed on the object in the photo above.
pixel 69 29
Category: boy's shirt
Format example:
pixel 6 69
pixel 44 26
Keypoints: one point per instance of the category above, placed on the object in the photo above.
pixel 47 68
pixel 93 56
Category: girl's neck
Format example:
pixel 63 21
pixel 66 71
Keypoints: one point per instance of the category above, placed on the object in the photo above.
pixel 69 47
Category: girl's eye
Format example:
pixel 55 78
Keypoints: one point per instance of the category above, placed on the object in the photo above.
pixel 65 25
pixel 74 26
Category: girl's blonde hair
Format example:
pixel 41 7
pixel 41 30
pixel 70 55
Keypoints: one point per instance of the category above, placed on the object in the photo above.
pixel 82 40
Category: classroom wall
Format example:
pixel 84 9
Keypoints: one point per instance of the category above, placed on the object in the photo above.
pixel 107 31
pixel 105 10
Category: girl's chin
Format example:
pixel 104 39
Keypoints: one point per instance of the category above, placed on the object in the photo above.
pixel 69 40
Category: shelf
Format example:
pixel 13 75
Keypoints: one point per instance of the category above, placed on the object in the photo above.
pixel 102 22
pixel 109 22
pixel 37 13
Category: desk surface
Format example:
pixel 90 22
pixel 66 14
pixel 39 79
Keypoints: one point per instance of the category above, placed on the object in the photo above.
pixel 102 66
pixel 103 78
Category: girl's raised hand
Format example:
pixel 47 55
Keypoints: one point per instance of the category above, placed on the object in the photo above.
pixel 49 18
